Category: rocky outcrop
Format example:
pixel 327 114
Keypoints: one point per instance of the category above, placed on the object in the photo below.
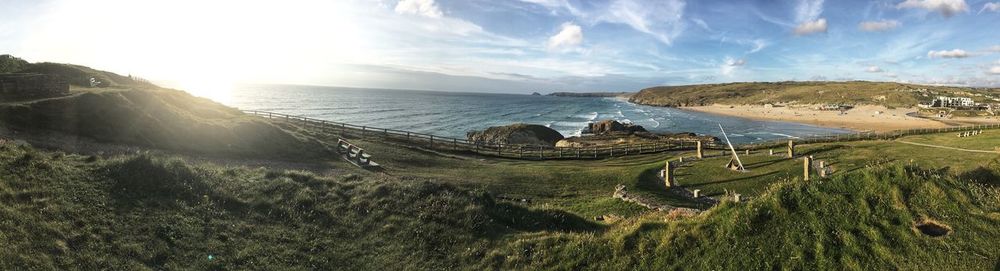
pixel 613 126
pixel 516 134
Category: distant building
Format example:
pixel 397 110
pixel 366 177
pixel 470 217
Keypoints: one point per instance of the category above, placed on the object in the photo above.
pixel 953 102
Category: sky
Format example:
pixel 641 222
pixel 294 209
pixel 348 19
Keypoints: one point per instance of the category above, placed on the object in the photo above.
pixel 512 46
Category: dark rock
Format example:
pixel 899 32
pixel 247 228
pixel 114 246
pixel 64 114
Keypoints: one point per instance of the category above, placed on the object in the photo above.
pixel 516 134
pixel 613 126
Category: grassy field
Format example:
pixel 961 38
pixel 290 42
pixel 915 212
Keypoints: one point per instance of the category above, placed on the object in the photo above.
pixel 852 92
pixel 63 210
pixel 713 178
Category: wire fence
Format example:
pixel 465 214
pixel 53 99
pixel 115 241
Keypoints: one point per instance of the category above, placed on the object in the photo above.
pixel 548 152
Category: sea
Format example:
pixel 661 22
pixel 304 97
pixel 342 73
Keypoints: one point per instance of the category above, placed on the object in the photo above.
pixel 453 114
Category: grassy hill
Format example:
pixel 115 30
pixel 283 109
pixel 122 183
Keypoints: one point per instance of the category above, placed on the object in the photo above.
pixel 871 219
pixel 851 92
pixel 125 110
pixel 140 211
pixel 134 212
pixel 160 119
pixel 73 74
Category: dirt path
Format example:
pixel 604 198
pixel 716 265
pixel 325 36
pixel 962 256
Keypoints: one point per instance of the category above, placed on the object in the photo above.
pixel 944 147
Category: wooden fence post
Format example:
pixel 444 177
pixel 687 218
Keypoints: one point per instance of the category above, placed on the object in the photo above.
pixel 700 153
pixel 806 161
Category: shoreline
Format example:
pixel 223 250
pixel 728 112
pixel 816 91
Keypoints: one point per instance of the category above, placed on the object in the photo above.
pixel 862 118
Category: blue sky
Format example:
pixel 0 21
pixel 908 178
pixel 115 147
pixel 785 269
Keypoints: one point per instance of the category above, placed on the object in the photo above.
pixel 517 45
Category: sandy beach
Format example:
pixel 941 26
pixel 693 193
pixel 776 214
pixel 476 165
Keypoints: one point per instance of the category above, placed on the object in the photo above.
pixel 861 118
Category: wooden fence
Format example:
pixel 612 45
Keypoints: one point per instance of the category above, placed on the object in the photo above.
pixel 462 145
pixel 546 152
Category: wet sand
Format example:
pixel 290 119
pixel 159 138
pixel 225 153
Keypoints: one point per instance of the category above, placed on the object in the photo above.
pixel 861 118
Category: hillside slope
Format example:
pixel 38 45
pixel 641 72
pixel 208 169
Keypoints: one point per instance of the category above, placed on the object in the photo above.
pixel 62 211
pixel 135 212
pixel 162 119
pixel 885 217
pixel 854 92
pixel 132 111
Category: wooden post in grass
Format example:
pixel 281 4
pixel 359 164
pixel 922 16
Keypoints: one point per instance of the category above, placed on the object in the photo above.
pixel 668 176
pixel 770 152
pixel 700 153
pixel 805 167
pixel 791 149
pixel 822 169
pixel 697 193
pixel 748 152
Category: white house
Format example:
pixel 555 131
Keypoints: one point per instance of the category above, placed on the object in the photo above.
pixel 943 101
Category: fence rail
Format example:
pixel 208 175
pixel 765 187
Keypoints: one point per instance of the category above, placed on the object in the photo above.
pixel 546 152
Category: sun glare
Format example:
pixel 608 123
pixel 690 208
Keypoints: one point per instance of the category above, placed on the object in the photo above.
pixel 203 47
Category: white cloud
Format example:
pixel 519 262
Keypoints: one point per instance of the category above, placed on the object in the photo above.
pixel 811 27
pixel 730 65
pixel 947 8
pixel 419 7
pixel 990 6
pixel 661 19
pixel 547 3
pixel 881 25
pixel 891 75
pixel 571 35
pixel 995 70
pixel 956 53
pixel 808 10
pixel 995 48
pixel 873 69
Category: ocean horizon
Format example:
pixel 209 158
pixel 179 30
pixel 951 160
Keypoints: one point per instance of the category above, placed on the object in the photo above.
pixel 453 114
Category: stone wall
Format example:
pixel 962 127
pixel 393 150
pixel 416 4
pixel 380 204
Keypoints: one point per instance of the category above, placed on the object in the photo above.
pixel 31 85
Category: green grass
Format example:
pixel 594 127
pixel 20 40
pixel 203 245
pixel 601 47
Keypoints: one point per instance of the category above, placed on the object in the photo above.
pixel 134 212
pixel 140 211
pixel 161 119
pixel 859 221
pixel 713 178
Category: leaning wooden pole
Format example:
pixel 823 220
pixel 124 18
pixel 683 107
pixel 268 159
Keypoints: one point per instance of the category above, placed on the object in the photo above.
pixel 737 157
